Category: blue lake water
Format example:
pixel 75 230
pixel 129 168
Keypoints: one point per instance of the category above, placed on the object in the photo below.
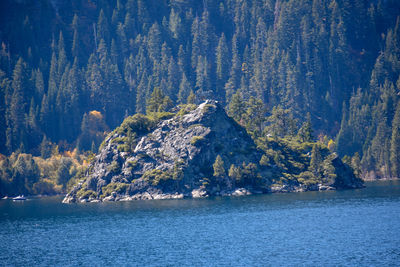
pixel 351 228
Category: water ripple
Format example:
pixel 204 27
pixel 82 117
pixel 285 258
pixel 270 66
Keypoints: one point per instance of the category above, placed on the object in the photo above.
pixel 345 228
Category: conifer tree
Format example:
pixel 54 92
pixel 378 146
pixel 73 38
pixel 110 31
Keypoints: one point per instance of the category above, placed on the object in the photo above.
pixel 16 110
pixel 39 85
pixel 395 144
pixel 45 148
pixel 254 116
pixel 301 56
pixel 62 174
pixel 219 170
pixel 237 106
pixel 4 89
pixel 221 56
pixel 356 164
pixel 316 161
pixel 25 174
pixel 76 48
pixel 191 98
pixel 141 93
pixel 155 101
pixel 305 132
pixel 184 89
pixel 235 174
pixel 103 31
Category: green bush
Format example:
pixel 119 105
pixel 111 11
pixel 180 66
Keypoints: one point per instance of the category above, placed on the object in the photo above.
pixel 119 140
pixel 185 109
pixel 119 188
pixel 114 167
pixel 123 148
pixel 307 178
pixel 79 175
pixel 86 194
pixel 160 116
pixel 156 176
pixel 138 123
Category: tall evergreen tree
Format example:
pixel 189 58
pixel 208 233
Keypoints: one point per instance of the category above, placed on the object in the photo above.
pixel 155 101
pixel 395 144
pixel 316 161
pixel 219 170
pixel 17 109
pixel 221 54
pixel 237 107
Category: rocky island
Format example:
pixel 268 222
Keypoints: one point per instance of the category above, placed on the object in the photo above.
pixel 200 151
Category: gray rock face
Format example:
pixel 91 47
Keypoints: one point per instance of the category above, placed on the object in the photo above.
pixel 174 159
pixel 186 144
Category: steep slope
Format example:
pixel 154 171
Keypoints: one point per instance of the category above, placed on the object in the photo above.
pixel 188 155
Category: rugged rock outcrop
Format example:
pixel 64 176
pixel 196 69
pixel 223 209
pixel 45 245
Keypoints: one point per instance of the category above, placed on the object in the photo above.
pixel 174 158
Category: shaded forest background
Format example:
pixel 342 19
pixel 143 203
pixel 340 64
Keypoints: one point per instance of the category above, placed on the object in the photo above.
pixel 72 70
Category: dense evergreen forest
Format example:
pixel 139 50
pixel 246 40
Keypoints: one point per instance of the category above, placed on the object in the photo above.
pixel 71 71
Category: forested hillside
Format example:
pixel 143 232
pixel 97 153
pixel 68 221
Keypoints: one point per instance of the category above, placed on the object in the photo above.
pixel 71 71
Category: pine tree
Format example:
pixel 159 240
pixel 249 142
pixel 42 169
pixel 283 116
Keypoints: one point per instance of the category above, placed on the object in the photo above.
pixel 395 144
pixel 237 107
pixel 221 62
pixel 45 148
pixel 191 98
pixel 316 161
pixel 356 164
pixel 4 89
pixel 154 43
pixel 254 116
pixel 155 101
pixel 202 79
pixel 62 174
pixel 25 173
pixel 17 109
pixel 184 89
pixel 175 24
pixel 84 140
pixel 301 56
pixel 173 83
pixel 235 174
pixel 103 28
pixel 39 85
pixel 305 132
pixel 141 93
pixel 76 48
pixel 219 170
pixel 53 78
pixel 166 105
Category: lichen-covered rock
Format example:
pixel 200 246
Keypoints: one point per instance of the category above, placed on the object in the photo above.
pixel 173 157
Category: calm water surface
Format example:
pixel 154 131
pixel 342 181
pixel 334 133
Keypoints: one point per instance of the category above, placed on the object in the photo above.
pixel 354 228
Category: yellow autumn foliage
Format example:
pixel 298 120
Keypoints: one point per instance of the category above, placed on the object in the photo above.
pixel 331 145
pixel 96 114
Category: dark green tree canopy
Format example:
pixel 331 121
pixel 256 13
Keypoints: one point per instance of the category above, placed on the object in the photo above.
pixel 259 58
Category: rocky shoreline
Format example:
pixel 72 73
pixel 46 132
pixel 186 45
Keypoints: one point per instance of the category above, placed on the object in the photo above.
pixel 201 193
